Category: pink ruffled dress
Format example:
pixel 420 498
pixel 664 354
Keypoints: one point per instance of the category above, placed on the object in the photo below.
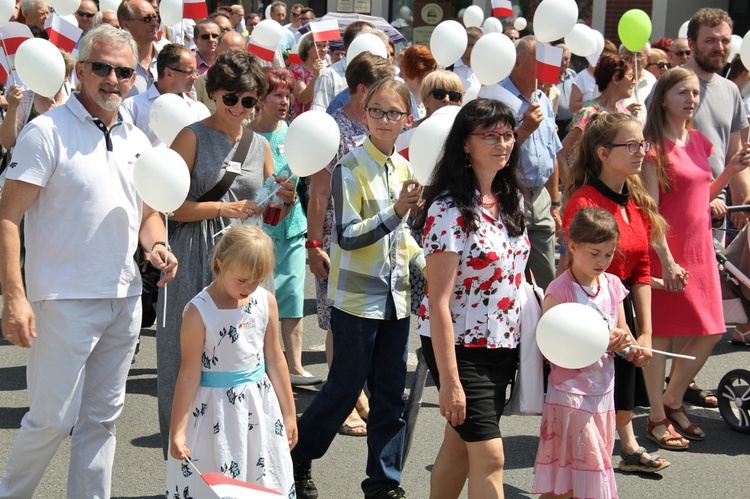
pixel 577 433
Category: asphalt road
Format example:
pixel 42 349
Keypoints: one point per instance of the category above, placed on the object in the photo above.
pixel 717 467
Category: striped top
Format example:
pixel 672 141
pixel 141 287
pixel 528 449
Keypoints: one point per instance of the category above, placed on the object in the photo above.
pixel 372 246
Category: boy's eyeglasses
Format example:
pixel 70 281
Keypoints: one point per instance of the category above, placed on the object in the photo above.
pixel 377 114
pixel 440 94
pixel 633 146
pixel 231 100
pixel 492 138
pixel 103 69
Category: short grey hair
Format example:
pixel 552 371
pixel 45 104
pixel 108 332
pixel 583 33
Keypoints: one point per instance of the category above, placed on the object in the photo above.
pixel 525 47
pixel 99 17
pixel 27 5
pixel 109 35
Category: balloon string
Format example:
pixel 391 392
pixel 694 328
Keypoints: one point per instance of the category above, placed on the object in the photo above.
pixel 166 261
pixel 635 68
pixel 670 354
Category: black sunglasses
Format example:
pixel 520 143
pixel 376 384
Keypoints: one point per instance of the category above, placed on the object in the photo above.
pixel 87 15
pixel 682 53
pixel 231 100
pixel 662 65
pixel 209 36
pixel 147 19
pixel 440 94
pixel 103 69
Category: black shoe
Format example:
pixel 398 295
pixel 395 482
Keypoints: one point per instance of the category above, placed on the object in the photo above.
pixel 389 493
pixel 306 488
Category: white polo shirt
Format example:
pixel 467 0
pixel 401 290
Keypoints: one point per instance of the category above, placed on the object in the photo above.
pixel 82 229
pixel 137 109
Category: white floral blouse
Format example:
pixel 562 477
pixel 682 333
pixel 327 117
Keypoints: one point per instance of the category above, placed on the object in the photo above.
pixel 485 308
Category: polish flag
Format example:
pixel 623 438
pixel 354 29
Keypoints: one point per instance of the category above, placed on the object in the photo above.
pixel 62 33
pixel 194 9
pixel 403 141
pixel 4 69
pixel 548 61
pixel 325 31
pixel 13 35
pixel 294 57
pixel 265 53
pixel 223 486
pixel 502 8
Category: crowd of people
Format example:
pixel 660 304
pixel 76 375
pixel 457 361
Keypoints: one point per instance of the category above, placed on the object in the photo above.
pixel 621 166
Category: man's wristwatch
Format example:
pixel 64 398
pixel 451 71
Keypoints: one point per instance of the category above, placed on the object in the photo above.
pixel 556 203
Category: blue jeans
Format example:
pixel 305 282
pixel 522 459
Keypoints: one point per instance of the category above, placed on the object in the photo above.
pixel 364 349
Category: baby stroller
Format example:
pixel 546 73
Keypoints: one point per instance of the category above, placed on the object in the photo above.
pixel 734 388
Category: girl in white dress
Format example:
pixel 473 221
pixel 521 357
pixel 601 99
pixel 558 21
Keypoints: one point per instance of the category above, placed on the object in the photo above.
pixel 233 409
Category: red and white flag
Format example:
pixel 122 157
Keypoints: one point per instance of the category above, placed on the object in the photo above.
pixel 502 8
pixel 224 486
pixel 403 141
pixel 62 33
pixel 4 68
pixel 325 31
pixel 265 53
pixel 548 61
pixel 294 57
pixel 13 35
pixel 194 9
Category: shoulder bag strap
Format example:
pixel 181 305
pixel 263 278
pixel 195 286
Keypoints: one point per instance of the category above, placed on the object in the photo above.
pixel 221 188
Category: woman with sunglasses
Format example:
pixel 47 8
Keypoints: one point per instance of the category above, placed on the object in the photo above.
pixel 605 175
pixel 658 63
pixel 440 89
pixel 221 191
pixel 689 318
pixel 313 55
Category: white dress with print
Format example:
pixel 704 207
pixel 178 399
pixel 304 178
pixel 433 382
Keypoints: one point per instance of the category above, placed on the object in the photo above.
pixel 237 431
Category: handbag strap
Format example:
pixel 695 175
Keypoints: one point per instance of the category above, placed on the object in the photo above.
pixel 221 188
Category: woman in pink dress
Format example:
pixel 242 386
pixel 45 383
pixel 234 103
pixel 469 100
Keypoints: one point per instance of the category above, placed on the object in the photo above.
pixel 678 176
pixel 313 55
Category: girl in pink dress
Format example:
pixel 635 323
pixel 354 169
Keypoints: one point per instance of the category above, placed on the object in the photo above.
pixel 578 421
pixel 678 176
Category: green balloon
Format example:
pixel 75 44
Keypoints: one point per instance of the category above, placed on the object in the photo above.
pixel 634 29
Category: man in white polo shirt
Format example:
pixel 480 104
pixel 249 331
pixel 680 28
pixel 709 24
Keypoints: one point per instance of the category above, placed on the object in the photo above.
pixel 177 72
pixel 80 311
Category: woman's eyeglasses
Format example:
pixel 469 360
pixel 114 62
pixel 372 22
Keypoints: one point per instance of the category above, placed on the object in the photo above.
pixel 231 100
pixel 662 65
pixel 103 69
pixel 633 146
pixel 440 94
pixel 377 114
pixel 492 138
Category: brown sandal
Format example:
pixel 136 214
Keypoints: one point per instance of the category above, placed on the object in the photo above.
pixel 691 432
pixel 671 434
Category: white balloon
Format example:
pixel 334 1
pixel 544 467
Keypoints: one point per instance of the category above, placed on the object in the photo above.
pixel 581 41
pixel 745 50
pixel 6 10
pixel 493 58
pixel 169 114
pixel 170 12
pixel 572 335
pixel 311 142
pixel 593 57
pixel 735 47
pixel 64 7
pixel 682 32
pixel 520 24
pixel 492 25
pixel 473 16
pixel 268 12
pixel 41 66
pixel 447 111
pixel 366 42
pixel 554 19
pixel 162 179
pixel 268 33
pixel 113 4
pixel 448 43
pixel 471 93
pixel 427 145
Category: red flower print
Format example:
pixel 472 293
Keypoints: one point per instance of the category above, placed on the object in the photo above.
pixel 468 281
pixel 480 342
pixel 480 262
pixel 460 222
pixel 504 304
pixel 428 224
pixel 518 279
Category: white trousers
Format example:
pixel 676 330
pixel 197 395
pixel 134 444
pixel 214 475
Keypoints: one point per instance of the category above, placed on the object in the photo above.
pixel 76 375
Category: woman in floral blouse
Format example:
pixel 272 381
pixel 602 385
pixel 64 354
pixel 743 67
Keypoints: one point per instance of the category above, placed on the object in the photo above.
pixel 476 248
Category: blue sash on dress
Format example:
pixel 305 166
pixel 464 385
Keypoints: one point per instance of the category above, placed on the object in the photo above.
pixel 228 379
